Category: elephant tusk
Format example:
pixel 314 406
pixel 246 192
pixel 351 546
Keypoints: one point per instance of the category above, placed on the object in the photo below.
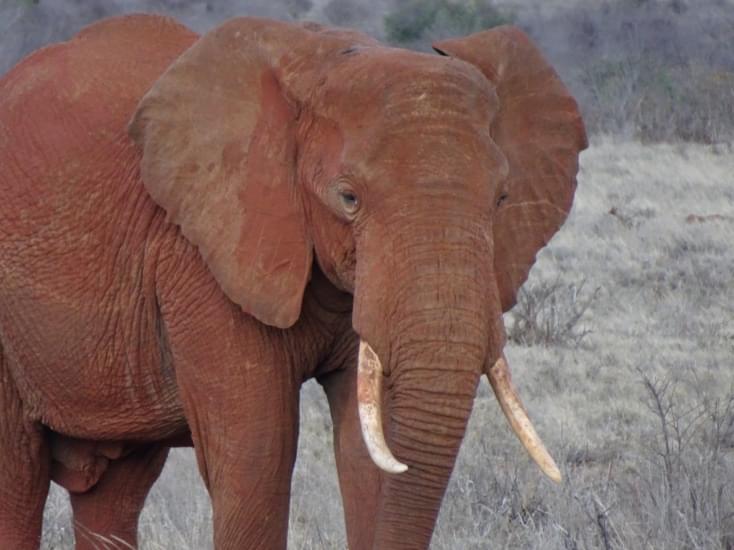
pixel 501 382
pixel 369 398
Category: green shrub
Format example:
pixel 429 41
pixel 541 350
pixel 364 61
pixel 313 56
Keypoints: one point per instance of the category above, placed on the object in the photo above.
pixel 415 21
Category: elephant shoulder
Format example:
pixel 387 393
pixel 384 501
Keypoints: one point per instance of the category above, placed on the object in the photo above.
pixel 138 47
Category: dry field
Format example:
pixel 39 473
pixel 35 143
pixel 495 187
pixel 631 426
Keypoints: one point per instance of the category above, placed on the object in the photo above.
pixel 623 347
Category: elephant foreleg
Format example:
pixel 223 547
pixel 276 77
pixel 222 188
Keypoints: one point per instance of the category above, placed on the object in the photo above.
pixel 246 453
pixel 240 393
pixel 359 479
pixel 24 470
pixel 106 516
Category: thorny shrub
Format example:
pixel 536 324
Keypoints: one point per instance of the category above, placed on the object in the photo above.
pixel 551 312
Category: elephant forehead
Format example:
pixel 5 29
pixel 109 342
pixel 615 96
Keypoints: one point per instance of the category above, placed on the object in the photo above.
pixel 398 86
pixel 422 139
pixel 410 120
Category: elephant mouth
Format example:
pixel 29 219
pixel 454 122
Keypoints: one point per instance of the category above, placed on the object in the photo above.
pixel 369 396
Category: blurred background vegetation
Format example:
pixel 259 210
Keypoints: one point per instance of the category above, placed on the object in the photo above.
pixel 653 70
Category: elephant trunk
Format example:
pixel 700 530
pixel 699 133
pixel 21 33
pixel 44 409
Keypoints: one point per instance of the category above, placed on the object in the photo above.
pixel 430 320
pixel 427 325
pixel 430 401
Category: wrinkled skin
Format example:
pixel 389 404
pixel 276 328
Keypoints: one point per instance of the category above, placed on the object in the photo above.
pixel 181 248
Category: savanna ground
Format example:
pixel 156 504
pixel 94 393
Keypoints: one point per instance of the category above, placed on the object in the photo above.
pixel 623 348
pixel 622 343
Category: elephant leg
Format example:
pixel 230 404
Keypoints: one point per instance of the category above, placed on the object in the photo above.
pixel 24 470
pixel 240 393
pixel 246 452
pixel 359 478
pixel 106 516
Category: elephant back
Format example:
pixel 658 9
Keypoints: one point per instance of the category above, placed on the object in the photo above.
pixel 65 107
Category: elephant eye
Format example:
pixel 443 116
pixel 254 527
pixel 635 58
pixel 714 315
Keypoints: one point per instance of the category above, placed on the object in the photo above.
pixel 349 201
pixel 502 198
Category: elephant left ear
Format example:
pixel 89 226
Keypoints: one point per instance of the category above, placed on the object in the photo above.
pixel 218 140
pixel 539 129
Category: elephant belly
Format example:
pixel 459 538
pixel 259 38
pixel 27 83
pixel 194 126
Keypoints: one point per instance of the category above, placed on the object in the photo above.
pixel 93 383
pixel 81 331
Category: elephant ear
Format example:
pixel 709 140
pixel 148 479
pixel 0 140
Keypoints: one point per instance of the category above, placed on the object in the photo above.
pixel 539 129
pixel 219 155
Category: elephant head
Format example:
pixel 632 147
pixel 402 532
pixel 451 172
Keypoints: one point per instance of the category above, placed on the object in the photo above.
pixel 422 184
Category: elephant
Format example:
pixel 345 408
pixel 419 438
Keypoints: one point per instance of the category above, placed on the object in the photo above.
pixel 192 226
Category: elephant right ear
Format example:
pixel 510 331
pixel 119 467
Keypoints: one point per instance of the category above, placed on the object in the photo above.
pixel 539 129
pixel 219 155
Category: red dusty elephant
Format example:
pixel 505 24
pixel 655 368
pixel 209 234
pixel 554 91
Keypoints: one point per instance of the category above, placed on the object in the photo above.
pixel 190 227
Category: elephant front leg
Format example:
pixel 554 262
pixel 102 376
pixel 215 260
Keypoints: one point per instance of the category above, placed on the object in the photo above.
pixel 239 387
pixel 241 403
pixel 359 479
pixel 246 449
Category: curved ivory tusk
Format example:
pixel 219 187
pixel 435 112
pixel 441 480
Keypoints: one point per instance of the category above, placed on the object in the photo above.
pixel 369 394
pixel 499 379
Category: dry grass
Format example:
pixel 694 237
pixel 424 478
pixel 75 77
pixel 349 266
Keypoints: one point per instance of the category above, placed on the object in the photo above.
pixel 639 414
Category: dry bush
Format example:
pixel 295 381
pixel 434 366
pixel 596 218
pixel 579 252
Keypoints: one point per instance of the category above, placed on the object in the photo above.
pixel 551 312
pixel 655 100
pixel 685 495
pixel 652 70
